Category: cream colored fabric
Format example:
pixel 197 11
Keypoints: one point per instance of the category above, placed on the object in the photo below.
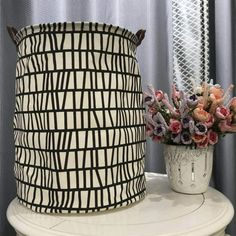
pixel 78 125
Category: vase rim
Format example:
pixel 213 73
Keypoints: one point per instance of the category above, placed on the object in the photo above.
pixel 47 27
pixel 188 146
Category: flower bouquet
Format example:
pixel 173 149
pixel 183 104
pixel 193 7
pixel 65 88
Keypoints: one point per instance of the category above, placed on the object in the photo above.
pixel 189 125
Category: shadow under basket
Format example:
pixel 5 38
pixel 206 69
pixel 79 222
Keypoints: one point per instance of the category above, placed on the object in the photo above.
pixel 188 169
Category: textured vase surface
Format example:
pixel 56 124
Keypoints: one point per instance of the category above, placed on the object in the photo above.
pixel 188 169
pixel 78 127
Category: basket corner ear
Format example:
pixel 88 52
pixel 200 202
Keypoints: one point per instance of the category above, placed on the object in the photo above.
pixel 140 35
pixel 12 33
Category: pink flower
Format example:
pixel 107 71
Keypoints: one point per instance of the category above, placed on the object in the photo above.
pixel 149 130
pixel 156 138
pixel 159 95
pixel 222 112
pixel 175 126
pixel 152 110
pixel 225 126
pixel 210 121
pixel 203 144
pixel 212 137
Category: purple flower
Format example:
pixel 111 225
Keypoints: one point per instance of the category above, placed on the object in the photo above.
pixel 159 130
pixel 156 119
pixel 148 99
pixel 176 138
pixel 186 121
pixel 160 119
pixel 200 129
pixel 192 101
pixel 186 138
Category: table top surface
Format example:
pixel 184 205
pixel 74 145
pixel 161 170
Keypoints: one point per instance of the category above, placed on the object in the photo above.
pixel 162 212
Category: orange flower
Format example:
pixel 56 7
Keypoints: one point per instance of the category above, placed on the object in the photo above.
pixel 216 97
pixel 200 114
pixel 216 92
pixel 203 144
pixel 199 138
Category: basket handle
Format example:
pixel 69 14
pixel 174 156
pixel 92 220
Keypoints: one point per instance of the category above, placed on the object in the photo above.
pixel 140 35
pixel 12 33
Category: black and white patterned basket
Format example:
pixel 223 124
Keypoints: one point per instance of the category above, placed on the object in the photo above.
pixel 78 127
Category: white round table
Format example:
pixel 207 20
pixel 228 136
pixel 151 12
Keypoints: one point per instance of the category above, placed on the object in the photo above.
pixel 162 212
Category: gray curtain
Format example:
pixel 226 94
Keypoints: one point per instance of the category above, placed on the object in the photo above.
pixel 225 74
pixel 151 15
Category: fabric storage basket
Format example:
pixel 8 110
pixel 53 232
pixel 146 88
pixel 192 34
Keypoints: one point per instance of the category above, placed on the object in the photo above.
pixel 78 127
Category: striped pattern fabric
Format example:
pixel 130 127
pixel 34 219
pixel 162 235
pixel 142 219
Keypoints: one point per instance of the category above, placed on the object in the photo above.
pixel 78 127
